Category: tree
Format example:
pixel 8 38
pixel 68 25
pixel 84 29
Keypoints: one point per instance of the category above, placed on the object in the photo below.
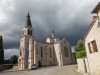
pixel 80 45
pixel 1 51
pixel 14 59
pixel 80 49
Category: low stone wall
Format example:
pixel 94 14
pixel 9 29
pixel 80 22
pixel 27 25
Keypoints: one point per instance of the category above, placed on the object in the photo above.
pixel 82 65
pixel 5 67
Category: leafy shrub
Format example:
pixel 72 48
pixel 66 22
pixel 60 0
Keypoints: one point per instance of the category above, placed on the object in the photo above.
pixel 5 67
pixel 80 54
pixel 80 49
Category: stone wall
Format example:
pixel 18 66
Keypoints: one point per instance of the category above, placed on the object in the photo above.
pixel 83 66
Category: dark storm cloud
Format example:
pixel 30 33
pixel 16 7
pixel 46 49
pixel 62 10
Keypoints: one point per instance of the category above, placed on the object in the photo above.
pixel 69 19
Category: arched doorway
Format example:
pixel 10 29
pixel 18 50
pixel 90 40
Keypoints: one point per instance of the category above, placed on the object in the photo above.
pixel 39 63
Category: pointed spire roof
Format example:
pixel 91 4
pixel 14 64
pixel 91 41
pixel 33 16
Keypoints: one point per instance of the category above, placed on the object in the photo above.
pixel 28 15
pixel 0 36
pixel 28 21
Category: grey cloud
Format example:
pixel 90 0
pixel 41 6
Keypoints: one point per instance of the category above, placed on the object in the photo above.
pixel 69 19
pixel 10 52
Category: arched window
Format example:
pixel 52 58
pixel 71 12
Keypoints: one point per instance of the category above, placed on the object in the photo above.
pixel 41 52
pixel 66 51
pixel 29 32
pixel 50 52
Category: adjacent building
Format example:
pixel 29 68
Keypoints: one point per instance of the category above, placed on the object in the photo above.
pixel 52 52
pixel 92 41
pixel 91 64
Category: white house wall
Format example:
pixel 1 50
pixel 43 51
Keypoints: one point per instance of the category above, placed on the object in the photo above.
pixel 93 58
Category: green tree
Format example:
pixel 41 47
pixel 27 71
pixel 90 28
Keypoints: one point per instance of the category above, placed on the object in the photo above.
pixel 80 49
pixel 1 51
pixel 14 59
pixel 80 45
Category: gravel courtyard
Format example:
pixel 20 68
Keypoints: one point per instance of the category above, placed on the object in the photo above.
pixel 55 70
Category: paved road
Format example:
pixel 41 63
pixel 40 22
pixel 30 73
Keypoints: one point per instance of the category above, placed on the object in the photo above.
pixel 55 70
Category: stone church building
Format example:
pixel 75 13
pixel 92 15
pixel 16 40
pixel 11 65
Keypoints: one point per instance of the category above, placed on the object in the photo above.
pixel 53 52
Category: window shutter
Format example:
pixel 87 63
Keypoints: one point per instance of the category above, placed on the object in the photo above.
pixel 89 48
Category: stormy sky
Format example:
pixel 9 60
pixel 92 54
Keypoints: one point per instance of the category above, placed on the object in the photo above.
pixel 68 18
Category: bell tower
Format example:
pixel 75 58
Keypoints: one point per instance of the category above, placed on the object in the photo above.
pixel 24 44
pixel 27 30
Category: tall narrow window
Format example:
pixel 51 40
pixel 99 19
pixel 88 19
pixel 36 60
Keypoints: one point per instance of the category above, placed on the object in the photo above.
pixel 41 52
pixel 20 53
pixel 66 51
pixel 89 46
pixel 94 46
pixel 50 52
pixel 29 32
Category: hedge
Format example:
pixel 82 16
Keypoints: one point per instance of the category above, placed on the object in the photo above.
pixel 5 67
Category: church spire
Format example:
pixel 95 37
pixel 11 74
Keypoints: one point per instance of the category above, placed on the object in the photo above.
pixel 28 22
pixel 53 34
pixel 28 15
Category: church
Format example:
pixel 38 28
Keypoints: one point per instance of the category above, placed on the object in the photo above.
pixel 52 52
